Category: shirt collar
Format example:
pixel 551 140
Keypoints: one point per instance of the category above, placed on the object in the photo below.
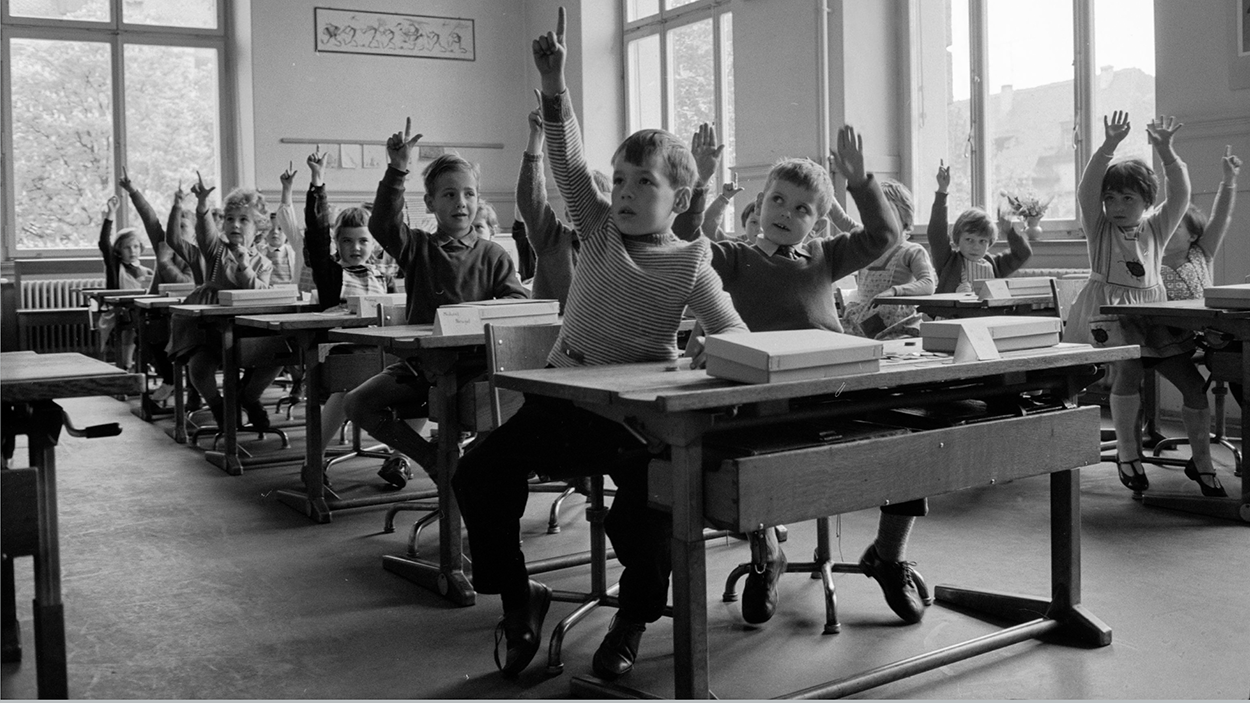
pixel 770 247
pixel 444 240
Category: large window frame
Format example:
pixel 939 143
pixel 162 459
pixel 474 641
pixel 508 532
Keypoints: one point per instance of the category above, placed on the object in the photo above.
pixel 116 33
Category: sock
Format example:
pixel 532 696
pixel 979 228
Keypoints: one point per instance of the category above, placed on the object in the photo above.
pixel 1124 410
pixel 892 533
pixel 1198 429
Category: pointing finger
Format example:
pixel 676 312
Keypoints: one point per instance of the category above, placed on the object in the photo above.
pixel 560 24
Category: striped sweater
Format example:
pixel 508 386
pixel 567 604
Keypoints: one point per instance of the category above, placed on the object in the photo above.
pixel 628 293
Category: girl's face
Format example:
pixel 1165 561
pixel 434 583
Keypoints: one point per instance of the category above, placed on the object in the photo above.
pixel 1123 207
pixel 239 225
pixel 276 238
pixel 128 250
pixel 973 246
pixel 355 245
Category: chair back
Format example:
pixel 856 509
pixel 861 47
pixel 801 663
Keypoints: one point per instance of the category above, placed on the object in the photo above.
pixel 515 348
pixel 1064 291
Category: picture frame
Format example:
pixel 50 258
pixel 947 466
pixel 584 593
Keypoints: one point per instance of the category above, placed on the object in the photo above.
pixel 393 34
pixel 1243 28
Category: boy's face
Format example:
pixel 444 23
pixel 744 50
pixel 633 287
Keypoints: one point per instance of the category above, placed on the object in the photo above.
pixel 454 202
pixel 238 223
pixel 643 199
pixel 789 212
pixel 753 224
pixel 355 245
pixel 276 238
pixel 129 250
pixel 1123 207
pixel 973 246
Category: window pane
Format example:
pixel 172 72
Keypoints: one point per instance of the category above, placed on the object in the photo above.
pixel 82 10
pixel 171 120
pixel 692 78
pixel 725 130
pixel 644 83
pixel 670 4
pixel 942 111
pixel 1125 64
pixel 201 14
pixel 1030 111
pixel 637 9
pixel 62 141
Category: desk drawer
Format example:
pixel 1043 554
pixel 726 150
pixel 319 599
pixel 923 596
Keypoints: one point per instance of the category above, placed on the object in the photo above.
pixel 785 487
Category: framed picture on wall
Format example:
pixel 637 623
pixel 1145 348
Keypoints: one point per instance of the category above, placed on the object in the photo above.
pixel 393 34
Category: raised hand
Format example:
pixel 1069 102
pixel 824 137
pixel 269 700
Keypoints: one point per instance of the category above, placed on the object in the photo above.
pixel 110 208
pixel 535 120
pixel 399 146
pixel 848 160
pixel 730 189
pixel 550 50
pixel 1232 165
pixel 288 176
pixel 180 195
pixel 1117 129
pixel 198 189
pixel 1161 130
pixel 706 152
pixel 943 176
pixel 125 181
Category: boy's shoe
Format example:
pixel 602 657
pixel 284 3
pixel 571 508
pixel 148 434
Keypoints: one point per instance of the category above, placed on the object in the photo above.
pixel 395 471
pixel 895 579
pixel 523 630
pixel 759 593
pixel 215 407
pixel 162 393
pixel 616 654
pixel 257 416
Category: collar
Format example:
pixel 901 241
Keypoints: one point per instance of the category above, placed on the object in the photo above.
pixel 769 247
pixel 652 239
pixel 444 240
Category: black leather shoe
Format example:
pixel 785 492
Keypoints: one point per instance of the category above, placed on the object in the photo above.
pixel 1135 482
pixel 895 579
pixel 616 654
pixel 395 471
pixel 257 416
pixel 523 630
pixel 1213 491
pixel 759 593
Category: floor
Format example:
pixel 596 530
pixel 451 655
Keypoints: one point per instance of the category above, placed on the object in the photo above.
pixel 183 582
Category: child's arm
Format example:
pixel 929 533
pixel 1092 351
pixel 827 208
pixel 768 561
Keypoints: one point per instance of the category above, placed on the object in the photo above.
pixel 924 278
pixel 689 225
pixel 837 216
pixel 290 225
pixel 173 230
pixel 1177 187
pixel 1089 192
pixel 880 227
pixel 542 226
pixel 711 304
pixel 246 269
pixel 1017 255
pixel 106 242
pixel 317 236
pixel 207 238
pixel 939 239
pixel 1222 211
pixel 715 212
pixel 151 222
pixel 386 222
pixel 587 207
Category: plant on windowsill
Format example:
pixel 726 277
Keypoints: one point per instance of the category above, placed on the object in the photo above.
pixel 1029 207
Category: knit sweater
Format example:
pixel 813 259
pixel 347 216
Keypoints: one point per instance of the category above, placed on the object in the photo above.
pixel 776 293
pixel 551 239
pixel 169 267
pixel 947 260
pixel 628 292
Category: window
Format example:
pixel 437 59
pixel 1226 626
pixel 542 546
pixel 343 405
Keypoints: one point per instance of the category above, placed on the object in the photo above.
pixel 679 71
pixel 92 87
pixel 999 89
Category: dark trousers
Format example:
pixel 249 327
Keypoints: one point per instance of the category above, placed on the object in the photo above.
pixel 555 438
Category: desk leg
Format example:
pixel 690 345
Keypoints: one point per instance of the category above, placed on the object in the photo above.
pixel 690 649
pixel 312 502
pixel 141 363
pixel 49 612
pixel 228 460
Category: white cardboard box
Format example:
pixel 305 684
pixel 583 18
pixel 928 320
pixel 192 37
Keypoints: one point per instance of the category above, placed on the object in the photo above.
pixel 1231 297
pixel 259 296
pixel 175 289
pixel 1009 332
pixel 367 305
pixel 998 288
pixel 790 355
pixel 470 318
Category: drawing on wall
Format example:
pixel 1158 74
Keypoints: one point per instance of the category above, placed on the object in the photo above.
pixel 392 34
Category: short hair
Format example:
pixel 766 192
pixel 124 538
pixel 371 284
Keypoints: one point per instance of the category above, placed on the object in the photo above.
pixel 804 173
pixel 603 182
pixel 679 166
pixel 447 163
pixel 1131 176
pixel 486 213
pixel 900 198
pixel 976 221
pixel 1195 221
pixel 746 212
pixel 350 217
pixel 246 198
pixel 124 236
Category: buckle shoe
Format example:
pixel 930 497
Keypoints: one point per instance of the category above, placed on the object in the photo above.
pixel 759 593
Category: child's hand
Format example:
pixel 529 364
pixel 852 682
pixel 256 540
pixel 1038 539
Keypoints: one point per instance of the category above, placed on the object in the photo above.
pixel 110 208
pixel 943 176
pixel 201 193
pixel 288 176
pixel 729 190
pixel 1161 130
pixel 848 160
pixel 1232 165
pixel 535 120
pixel 316 161
pixel 1118 128
pixel 180 195
pixel 550 50
pixel 125 181
pixel 399 147
pixel 706 152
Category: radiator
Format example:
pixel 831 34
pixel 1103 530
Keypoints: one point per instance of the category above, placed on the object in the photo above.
pixel 54 318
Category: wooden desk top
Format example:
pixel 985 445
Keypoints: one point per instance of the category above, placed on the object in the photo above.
pixel 651 387
pixel 306 321
pixel 406 338
pixel 1190 314
pixel 236 310
pixel 128 298
pixel 157 303
pixel 967 300
pixel 27 376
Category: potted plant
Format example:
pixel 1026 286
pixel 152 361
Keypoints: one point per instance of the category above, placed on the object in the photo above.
pixel 1030 208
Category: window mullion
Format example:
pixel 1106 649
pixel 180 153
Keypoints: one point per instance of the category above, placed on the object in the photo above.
pixel 119 123
pixel 1083 83
pixel 978 54
pixel 665 83
pixel 718 100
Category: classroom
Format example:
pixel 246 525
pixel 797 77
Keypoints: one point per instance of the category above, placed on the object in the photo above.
pixel 903 285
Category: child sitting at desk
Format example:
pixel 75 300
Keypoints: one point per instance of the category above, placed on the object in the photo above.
pixel 633 280
pixel 450 265
pixel 229 265
pixel 122 270
pixel 963 256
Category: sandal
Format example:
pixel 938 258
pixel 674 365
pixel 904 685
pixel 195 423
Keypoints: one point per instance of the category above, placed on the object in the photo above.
pixel 1134 481
pixel 1215 490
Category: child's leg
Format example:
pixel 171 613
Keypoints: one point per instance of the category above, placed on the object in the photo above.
pixel 253 385
pixel 1195 414
pixel 202 370
pixel 126 350
pixel 885 560
pixel 1126 407
pixel 369 406
pixel 333 415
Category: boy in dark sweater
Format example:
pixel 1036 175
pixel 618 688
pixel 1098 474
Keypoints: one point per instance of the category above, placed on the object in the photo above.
pixel 447 266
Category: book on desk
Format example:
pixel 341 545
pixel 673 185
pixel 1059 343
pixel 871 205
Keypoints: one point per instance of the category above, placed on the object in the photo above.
pixel 1231 297
pixel 471 318
pixel 790 355
pixel 276 295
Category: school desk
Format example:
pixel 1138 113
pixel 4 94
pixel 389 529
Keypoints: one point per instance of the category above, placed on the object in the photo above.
pixel 223 317
pixel 153 311
pixel 128 304
pixel 34 382
pixel 969 305
pixel 677 408
pixel 307 332
pixel 440 358
pixel 1194 315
